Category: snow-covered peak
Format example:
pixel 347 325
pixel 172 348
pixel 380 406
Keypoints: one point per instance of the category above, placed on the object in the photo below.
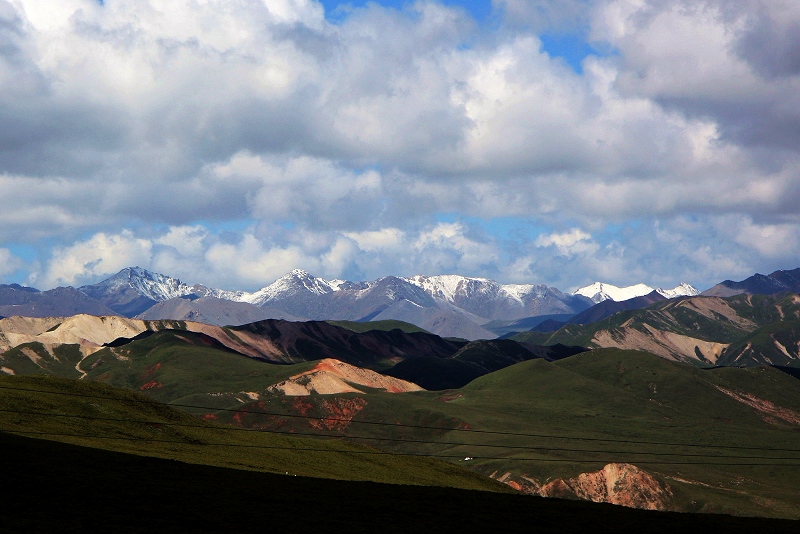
pixel 599 291
pixel 682 290
pixel 296 282
pixel 447 286
pixel 152 285
pixel 336 285
pixel 519 291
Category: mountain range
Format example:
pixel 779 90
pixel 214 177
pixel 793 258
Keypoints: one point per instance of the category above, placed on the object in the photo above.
pixel 447 305
pixel 603 408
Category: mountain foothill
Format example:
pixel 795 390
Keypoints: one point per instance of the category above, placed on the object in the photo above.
pixel 665 400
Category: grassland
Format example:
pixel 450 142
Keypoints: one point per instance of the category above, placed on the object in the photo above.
pixel 723 439
pixel 541 421
pixel 99 416
pixel 386 326
pixel 56 487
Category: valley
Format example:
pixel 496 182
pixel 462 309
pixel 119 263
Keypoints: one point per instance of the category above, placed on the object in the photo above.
pixel 648 407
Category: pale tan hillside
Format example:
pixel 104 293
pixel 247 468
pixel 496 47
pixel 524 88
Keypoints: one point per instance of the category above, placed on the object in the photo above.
pixel 86 330
pixel 331 376
pixel 668 345
pixel 17 330
pixel 244 342
pixel 713 307
pixel 82 329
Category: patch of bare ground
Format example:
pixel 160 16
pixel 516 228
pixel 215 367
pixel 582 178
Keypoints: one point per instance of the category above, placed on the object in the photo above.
pixel 691 482
pixel 713 307
pixel 668 345
pixel 246 343
pixel 785 350
pixel 332 376
pixel 769 411
pixel 32 356
pixel 341 412
pixel 18 330
pixel 92 329
pixel 621 484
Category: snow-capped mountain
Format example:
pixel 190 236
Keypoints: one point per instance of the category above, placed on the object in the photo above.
pixel 148 284
pixel 297 283
pixel 487 298
pixel 456 304
pixel 133 290
pixel 682 290
pixel 599 291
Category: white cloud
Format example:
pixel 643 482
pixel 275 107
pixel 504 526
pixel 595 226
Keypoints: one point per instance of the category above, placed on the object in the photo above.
pixel 9 263
pixel 574 241
pixel 358 135
pixel 771 240
pixel 100 255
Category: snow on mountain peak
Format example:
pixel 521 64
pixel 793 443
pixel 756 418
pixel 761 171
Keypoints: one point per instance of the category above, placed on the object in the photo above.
pixel 152 285
pixel 292 283
pixel 600 291
pixel 447 286
pixel 681 290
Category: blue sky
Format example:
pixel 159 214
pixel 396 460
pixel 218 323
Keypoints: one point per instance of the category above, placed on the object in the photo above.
pixel 478 9
pixel 529 141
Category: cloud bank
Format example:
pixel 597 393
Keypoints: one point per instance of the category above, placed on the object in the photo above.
pixel 399 141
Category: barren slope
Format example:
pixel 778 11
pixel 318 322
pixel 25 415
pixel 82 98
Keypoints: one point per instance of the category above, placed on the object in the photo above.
pixel 331 376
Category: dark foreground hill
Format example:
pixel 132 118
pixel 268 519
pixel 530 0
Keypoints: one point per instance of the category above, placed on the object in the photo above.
pixel 55 487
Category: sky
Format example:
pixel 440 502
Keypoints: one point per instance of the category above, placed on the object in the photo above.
pixel 227 142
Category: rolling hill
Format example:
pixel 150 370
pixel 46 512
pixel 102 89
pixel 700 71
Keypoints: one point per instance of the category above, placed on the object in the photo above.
pixel 739 330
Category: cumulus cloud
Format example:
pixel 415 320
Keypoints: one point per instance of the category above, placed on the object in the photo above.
pixel 9 263
pixel 341 145
pixel 99 255
pixel 568 243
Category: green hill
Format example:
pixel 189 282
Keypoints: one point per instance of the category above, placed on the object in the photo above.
pixel 180 366
pixel 385 326
pixel 55 487
pixel 724 440
pixel 740 330
pixel 102 417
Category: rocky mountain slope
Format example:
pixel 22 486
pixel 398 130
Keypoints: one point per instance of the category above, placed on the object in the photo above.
pixel 758 284
pixel 59 302
pixel 211 310
pixel 740 330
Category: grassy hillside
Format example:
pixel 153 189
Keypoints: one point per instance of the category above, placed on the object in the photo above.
pixel 723 440
pixel 538 421
pixel 36 359
pixel 175 366
pixel 54 487
pixel 386 326
pixel 740 330
pixel 99 416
